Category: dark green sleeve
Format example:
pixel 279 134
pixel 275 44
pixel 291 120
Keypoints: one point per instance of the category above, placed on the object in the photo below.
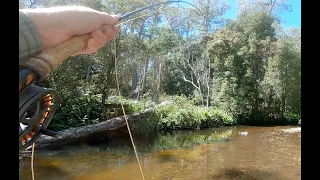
pixel 29 38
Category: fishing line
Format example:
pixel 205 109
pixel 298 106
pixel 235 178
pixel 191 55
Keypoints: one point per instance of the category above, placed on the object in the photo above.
pixel 115 56
pixel 32 157
pixel 118 87
pixel 124 113
pixel 116 69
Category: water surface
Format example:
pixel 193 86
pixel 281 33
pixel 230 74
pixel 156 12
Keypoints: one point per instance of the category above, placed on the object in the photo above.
pixel 266 153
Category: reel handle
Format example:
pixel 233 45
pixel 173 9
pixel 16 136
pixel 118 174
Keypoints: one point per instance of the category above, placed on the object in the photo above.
pixel 49 59
pixel 26 77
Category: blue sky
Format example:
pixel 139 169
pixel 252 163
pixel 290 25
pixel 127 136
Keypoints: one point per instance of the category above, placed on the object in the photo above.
pixel 291 19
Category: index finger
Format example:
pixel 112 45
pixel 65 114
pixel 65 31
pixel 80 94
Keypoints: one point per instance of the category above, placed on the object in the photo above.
pixel 109 19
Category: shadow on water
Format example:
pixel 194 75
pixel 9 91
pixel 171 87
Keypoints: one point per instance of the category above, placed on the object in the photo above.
pixel 46 170
pixel 243 174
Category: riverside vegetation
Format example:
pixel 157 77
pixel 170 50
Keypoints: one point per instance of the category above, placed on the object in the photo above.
pixel 210 71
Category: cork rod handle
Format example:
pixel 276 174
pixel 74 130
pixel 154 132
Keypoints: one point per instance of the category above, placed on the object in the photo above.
pixel 43 63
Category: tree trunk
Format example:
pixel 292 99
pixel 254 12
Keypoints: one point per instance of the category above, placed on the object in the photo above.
pixel 272 4
pixel 143 81
pixel 144 84
pixel 208 84
pixel 159 81
pixel 110 67
pixel 134 68
pixel 283 105
pixel 155 80
pixel 134 82
pixel 73 135
pixel 105 91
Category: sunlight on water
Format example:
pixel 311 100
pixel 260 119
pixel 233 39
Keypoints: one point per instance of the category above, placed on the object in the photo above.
pixel 265 153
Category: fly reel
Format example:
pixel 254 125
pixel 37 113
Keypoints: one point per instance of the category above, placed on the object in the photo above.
pixel 37 105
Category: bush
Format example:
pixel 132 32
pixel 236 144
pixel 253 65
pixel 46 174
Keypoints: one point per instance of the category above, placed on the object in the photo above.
pixel 292 119
pixel 75 112
pixel 261 118
pixel 86 109
pixel 192 117
pixel 254 118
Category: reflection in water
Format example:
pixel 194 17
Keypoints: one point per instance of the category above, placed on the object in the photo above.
pixel 243 174
pixel 265 153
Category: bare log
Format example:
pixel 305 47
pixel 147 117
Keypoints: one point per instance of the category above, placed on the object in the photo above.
pixel 73 135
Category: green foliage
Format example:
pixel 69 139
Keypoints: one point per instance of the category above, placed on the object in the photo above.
pixel 248 69
pixel 74 112
pixel 172 82
pixel 180 114
pixel 192 117
pixel 259 118
pixel 165 40
pixel 256 118
pixel 86 109
pixel 146 124
pixel 292 119
pixel 183 114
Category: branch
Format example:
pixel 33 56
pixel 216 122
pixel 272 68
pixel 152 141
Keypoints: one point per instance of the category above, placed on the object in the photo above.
pixel 184 78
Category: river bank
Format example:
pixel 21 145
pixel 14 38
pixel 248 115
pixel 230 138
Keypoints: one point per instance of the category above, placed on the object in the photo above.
pixel 146 120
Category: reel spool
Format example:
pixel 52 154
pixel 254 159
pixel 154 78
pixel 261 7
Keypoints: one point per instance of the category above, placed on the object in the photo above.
pixel 37 105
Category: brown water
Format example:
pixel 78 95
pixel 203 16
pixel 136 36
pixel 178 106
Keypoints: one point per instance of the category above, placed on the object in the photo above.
pixel 267 153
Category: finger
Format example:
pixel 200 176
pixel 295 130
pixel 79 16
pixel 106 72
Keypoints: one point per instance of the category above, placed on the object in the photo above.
pixel 99 37
pixel 108 19
pixel 109 33
pixel 92 47
pixel 115 29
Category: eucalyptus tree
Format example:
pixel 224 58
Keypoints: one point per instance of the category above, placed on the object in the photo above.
pixel 240 53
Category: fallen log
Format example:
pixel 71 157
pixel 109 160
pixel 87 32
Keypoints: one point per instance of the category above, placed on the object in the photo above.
pixel 73 135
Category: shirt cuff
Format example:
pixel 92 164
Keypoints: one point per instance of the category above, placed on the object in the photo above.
pixel 29 38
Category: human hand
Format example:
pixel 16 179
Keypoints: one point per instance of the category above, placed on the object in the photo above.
pixel 59 24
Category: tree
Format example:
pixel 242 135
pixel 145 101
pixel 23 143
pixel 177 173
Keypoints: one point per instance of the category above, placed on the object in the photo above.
pixel 288 65
pixel 211 14
pixel 270 7
pixel 239 54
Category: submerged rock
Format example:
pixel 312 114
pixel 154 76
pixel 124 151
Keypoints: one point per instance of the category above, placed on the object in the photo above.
pixel 245 133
